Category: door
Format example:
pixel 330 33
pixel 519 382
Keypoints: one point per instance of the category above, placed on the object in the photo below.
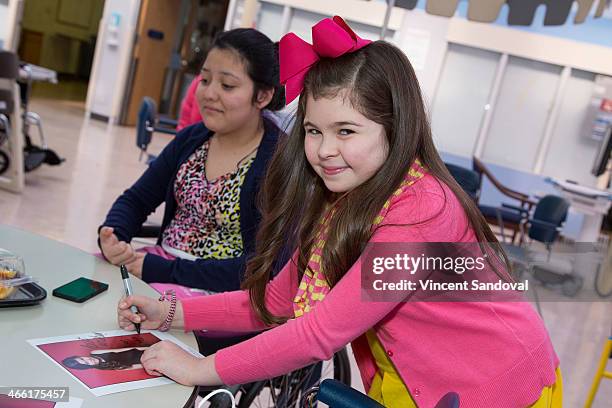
pixel 155 37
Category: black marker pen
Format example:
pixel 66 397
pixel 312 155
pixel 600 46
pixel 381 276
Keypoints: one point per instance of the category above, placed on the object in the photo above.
pixel 127 284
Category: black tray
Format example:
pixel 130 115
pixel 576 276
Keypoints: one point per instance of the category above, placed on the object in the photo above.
pixel 26 295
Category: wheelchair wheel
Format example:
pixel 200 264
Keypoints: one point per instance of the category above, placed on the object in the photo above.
pixel 287 390
pixel 571 286
pixel 5 162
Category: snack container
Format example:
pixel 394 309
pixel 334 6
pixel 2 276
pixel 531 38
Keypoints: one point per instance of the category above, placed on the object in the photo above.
pixel 12 273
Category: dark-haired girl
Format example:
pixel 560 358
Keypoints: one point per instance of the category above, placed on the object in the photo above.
pixel 208 176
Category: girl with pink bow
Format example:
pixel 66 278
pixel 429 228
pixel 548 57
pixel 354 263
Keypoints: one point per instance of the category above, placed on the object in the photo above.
pixel 360 167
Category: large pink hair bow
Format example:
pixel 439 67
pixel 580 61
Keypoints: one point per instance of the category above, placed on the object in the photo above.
pixel 331 38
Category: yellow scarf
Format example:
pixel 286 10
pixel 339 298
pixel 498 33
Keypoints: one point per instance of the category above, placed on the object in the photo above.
pixel 313 286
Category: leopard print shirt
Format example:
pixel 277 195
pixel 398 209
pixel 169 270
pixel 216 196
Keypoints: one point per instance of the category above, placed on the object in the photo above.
pixel 207 220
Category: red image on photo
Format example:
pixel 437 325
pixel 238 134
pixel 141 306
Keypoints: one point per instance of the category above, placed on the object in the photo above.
pixel 102 361
pixel 8 402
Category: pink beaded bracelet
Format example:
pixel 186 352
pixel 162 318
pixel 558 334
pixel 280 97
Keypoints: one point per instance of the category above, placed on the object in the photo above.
pixel 172 298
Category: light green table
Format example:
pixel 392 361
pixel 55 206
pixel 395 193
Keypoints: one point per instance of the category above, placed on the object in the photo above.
pixel 54 264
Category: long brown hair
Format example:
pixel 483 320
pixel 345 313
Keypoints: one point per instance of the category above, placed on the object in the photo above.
pixel 384 88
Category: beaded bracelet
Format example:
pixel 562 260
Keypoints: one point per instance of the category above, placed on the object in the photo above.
pixel 172 298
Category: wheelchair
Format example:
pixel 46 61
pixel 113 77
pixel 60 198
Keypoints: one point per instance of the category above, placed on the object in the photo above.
pixel 338 395
pixel 288 390
pixel 5 160
pixel 285 391
pixel 24 75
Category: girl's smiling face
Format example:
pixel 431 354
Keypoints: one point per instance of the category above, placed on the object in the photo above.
pixel 343 147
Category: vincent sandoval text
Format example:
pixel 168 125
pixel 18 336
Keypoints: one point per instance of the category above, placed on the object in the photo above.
pixel 429 285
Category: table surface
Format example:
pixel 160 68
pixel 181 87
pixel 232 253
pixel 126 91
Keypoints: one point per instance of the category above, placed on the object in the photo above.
pixel 589 192
pixel 53 264
pixel 37 73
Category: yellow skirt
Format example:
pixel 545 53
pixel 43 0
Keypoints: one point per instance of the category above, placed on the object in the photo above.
pixel 551 397
pixel 389 390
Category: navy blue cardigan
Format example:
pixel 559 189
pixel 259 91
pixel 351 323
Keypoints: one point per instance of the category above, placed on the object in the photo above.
pixel 156 185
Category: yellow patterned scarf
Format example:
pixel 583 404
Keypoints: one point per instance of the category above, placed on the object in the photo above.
pixel 313 286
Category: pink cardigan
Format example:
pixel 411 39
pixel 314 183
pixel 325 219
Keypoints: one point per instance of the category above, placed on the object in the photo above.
pixel 190 111
pixel 491 354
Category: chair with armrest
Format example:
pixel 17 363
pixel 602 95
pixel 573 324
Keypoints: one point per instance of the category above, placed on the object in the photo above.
pixel 511 215
pixel 149 122
pixel 469 180
pixel 544 226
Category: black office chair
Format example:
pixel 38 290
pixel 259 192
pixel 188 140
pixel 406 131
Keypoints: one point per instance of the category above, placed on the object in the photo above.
pixel 545 223
pixel 468 179
pixel 147 123
pixel 543 226
pixel 549 215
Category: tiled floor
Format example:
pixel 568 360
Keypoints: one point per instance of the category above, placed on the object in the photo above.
pixel 67 203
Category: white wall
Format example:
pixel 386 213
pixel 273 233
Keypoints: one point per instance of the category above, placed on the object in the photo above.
pixel 116 33
pixel 533 129
pixel 422 37
pixel 568 144
pixel 535 124
pixel 3 22
pixel 461 98
pixel 367 13
pixel 545 48
pixel 10 15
